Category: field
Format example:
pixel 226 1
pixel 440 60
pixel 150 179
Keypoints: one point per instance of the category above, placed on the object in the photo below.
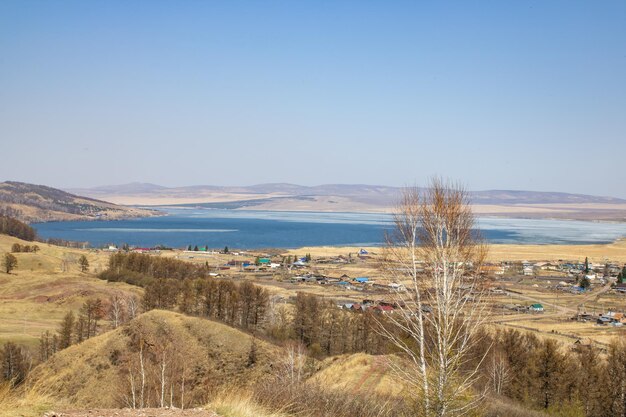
pixel 45 286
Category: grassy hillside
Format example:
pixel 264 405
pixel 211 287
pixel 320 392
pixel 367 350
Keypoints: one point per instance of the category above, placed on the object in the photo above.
pixel 205 354
pixel 36 203
pixel 45 285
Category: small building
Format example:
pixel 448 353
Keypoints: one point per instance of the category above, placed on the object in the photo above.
pixel 383 309
pixel 536 308
pixel 361 280
pixel 397 287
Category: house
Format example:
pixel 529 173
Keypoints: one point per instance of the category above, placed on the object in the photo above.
pixel 383 309
pixel 536 308
pixel 397 287
pixel 361 280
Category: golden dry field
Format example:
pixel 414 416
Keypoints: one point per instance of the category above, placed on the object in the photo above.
pixel 45 286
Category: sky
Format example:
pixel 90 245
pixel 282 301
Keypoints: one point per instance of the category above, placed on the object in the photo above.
pixel 527 95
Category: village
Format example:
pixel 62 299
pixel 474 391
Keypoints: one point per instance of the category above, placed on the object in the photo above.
pixel 573 300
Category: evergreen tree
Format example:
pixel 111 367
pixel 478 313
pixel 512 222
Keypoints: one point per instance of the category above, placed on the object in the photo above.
pixel 225 249
pixel 83 262
pixel 252 354
pixel 66 330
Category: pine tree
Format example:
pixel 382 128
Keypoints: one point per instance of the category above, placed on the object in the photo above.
pixel 83 262
pixel 252 353
pixel 66 330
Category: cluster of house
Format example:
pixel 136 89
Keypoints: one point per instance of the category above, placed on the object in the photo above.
pixel 566 287
pixel 347 283
pixel 375 306
pixel 533 308
pixel 528 268
pixel 611 318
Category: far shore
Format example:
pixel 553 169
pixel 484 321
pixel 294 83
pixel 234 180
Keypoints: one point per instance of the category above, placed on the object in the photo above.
pixel 597 253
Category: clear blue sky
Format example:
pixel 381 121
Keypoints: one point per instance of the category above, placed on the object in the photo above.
pixel 499 94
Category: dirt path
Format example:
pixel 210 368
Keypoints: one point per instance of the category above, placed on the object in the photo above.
pixel 127 412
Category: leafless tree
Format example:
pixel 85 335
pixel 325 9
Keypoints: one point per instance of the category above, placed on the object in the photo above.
pixel 291 368
pixel 436 252
pixel 499 373
pixel 117 307
pixel 132 306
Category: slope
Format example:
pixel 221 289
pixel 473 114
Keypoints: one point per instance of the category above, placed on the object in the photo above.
pixel 47 284
pixel 36 203
pixel 186 356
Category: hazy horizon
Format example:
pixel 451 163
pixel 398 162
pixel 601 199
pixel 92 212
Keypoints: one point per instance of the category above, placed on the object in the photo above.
pixel 500 96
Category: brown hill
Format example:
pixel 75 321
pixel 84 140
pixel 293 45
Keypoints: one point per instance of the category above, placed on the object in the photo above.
pixel 37 203
pixel 46 285
pixel 188 358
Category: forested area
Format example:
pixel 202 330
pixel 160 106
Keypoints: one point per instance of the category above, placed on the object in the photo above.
pixel 13 227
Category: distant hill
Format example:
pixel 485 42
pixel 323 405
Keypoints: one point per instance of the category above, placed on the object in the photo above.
pixel 328 197
pixel 36 203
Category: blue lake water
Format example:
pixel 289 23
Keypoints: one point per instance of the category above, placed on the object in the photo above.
pixel 264 229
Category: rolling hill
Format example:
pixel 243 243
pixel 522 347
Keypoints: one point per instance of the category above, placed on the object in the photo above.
pixel 197 357
pixel 38 203
pixel 358 198
pixel 375 195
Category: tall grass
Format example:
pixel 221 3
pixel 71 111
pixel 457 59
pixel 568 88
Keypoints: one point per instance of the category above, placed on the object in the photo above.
pixel 313 400
pixel 23 401
pixel 238 403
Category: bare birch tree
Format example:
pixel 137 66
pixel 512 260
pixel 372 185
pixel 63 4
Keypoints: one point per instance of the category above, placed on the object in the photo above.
pixel 435 251
pixel 117 311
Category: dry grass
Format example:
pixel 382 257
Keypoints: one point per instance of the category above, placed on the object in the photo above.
pixel 597 253
pixel 24 402
pixel 239 403
pixel 360 373
pixel 218 353
pixel 615 251
pixel 38 293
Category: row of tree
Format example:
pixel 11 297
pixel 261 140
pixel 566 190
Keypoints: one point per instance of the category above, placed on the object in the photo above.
pixel 86 323
pixel 544 374
pixel 123 266
pixel 17 248
pixel 13 227
pixel 242 305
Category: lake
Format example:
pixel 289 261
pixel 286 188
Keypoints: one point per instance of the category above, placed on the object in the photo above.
pixel 264 229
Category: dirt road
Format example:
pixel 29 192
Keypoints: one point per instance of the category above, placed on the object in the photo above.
pixel 127 412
